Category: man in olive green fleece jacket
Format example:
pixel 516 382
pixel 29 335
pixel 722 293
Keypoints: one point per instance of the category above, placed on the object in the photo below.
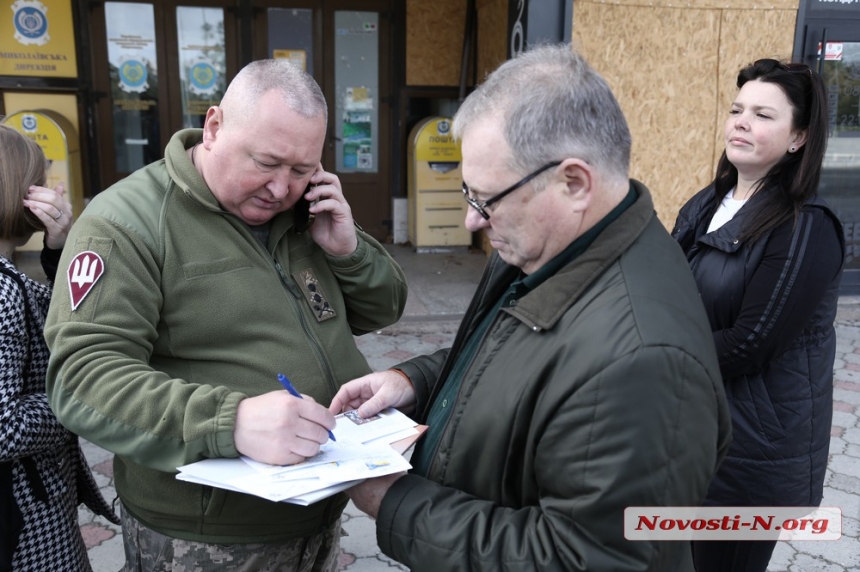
pixel 583 380
pixel 190 285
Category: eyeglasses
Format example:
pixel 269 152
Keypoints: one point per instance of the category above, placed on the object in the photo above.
pixel 482 208
pixel 769 64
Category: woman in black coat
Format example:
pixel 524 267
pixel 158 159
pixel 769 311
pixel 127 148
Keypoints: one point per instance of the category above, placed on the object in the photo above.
pixel 767 254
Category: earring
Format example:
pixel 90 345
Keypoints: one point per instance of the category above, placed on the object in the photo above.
pixel 792 149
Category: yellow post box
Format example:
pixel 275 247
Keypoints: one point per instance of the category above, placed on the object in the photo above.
pixel 437 211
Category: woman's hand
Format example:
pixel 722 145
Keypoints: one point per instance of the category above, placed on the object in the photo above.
pixel 54 210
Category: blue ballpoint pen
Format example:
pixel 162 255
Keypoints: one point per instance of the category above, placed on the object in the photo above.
pixel 289 387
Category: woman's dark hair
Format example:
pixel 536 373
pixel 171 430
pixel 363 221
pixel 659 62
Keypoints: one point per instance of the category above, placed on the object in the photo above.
pixel 795 177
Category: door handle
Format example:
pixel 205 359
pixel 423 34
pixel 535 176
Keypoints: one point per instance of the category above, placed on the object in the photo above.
pixel 823 54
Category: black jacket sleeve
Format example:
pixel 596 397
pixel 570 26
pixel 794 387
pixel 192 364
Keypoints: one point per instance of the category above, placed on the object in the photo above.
pixel 799 264
pixel 50 260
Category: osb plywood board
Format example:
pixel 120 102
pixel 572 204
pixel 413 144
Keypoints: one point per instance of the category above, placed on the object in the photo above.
pixel 492 36
pixel 702 4
pixel 434 41
pixel 745 38
pixel 662 64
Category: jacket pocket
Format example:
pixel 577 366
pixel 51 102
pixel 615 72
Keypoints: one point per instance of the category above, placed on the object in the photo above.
pixel 194 270
pixel 768 420
pixel 212 501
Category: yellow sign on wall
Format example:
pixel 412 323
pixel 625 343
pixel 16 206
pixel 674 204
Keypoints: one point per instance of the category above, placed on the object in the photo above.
pixel 37 38
pixel 45 132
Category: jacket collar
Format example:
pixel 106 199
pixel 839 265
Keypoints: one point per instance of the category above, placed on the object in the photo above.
pixel 546 304
pixel 726 238
pixel 183 172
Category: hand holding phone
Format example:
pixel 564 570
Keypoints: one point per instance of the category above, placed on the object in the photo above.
pixel 303 218
pixel 334 229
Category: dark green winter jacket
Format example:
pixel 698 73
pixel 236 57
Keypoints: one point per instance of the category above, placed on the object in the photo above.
pixel 599 390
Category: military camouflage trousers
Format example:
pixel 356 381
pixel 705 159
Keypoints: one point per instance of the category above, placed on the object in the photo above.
pixel 149 551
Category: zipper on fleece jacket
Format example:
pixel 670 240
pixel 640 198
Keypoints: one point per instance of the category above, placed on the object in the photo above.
pixel 297 296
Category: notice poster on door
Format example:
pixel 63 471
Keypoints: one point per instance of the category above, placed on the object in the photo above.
pixel 357 129
pixel 297 57
pixel 357 141
pixel 833 52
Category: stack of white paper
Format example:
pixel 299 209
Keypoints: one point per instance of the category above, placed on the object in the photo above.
pixel 362 450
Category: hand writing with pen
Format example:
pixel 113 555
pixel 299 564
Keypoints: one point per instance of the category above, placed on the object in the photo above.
pixel 281 427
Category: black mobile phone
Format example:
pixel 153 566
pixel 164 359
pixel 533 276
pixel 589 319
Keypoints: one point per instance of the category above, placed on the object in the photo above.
pixel 303 218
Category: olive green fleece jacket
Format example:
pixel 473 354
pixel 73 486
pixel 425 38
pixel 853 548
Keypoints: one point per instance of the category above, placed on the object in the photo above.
pixel 190 316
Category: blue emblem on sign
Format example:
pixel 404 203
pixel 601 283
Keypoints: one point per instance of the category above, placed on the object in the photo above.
pixel 443 126
pixel 133 75
pixel 202 77
pixel 29 123
pixel 31 22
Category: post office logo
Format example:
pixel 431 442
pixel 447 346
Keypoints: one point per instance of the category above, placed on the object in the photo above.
pixel 31 22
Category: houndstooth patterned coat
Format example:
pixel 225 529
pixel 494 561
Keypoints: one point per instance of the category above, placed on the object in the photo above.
pixel 49 474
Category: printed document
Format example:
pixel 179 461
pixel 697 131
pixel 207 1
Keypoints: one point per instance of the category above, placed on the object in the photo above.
pixel 363 450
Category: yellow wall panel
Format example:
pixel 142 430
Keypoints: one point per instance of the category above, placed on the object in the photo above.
pixel 434 41
pixel 743 42
pixel 673 66
pixel 492 36
pixel 704 4
pixel 662 65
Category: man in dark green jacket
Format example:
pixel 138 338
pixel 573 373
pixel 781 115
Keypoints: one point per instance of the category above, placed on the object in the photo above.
pixel 583 379
pixel 190 286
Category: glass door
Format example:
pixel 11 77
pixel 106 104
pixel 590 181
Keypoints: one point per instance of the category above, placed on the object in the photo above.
pixel 839 66
pixel 840 177
pixel 347 53
pixel 357 85
pixel 200 60
pixel 132 89
pixel 158 67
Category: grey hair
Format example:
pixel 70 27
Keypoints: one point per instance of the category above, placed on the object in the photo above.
pixel 554 106
pixel 299 90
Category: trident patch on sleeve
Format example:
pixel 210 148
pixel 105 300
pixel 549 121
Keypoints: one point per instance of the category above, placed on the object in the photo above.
pixel 314 294
pixel 84 271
